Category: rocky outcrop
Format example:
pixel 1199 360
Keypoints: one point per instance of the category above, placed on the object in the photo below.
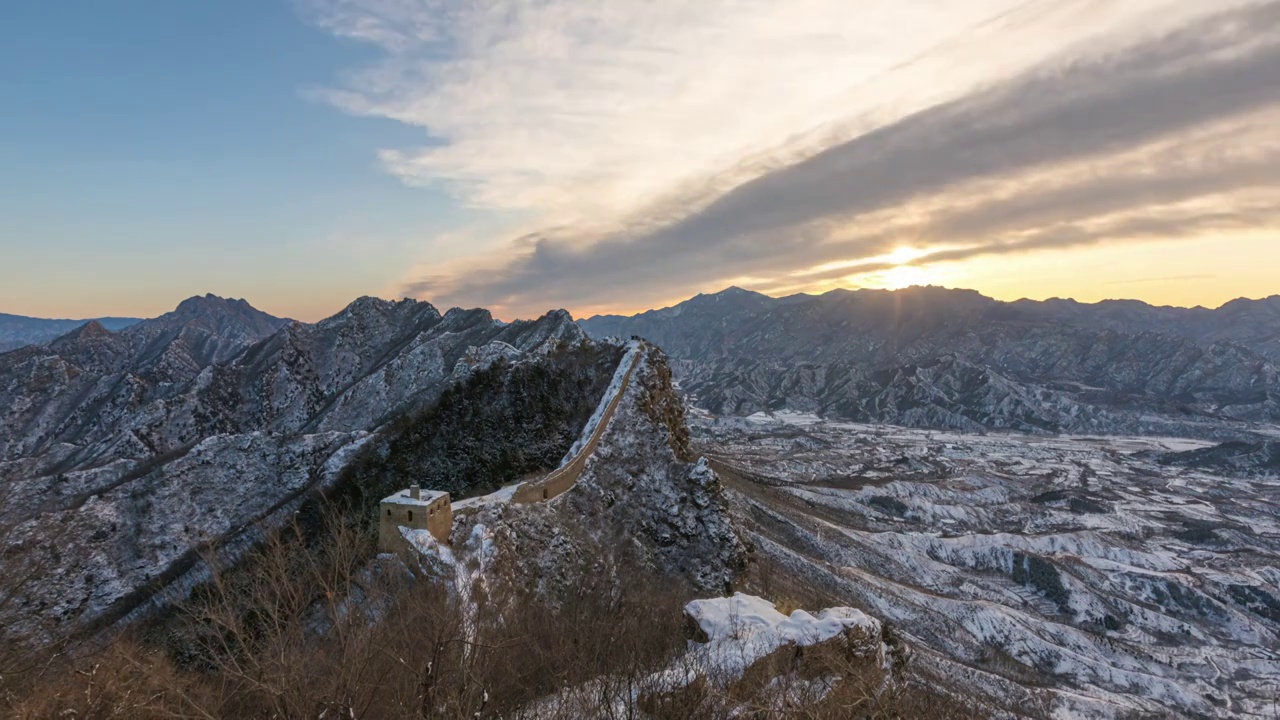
pixel 636 501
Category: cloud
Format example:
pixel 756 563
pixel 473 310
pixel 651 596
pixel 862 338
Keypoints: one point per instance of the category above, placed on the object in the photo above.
pixel 585 111
pixel 667 149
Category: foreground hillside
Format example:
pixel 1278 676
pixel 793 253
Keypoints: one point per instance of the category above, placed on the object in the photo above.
pixel 930 357
pixel 619 598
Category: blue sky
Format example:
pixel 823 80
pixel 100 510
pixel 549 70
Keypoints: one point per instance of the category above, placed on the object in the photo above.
pixel 155 149
pixel 610 157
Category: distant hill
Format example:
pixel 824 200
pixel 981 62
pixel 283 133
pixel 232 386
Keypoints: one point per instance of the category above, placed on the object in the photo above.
pixel 935 357
pixel 19 331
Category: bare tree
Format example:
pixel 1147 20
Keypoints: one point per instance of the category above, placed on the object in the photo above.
pixel 316 625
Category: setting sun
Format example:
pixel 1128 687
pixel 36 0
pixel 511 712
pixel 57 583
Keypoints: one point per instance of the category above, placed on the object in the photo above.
pixel 903 255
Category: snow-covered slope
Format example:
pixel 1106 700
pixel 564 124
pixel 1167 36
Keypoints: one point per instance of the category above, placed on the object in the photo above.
pixel 141 449
pixel 739 630
pixel 1108 570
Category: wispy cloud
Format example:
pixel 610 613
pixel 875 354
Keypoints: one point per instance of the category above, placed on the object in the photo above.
pixel 663 146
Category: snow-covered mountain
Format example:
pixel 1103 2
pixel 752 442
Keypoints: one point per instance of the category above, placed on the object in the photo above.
pixel 933 357
pixel 1027 575
pixel 142 448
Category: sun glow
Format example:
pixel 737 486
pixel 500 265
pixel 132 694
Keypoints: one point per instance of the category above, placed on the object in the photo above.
pixel 904 255
pixel 899 256
pixel 900 277
pixel 903 275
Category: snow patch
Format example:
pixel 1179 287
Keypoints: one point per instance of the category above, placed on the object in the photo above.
pixel 744 628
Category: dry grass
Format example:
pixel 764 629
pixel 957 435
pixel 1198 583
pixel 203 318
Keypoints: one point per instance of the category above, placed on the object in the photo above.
pixel 322 629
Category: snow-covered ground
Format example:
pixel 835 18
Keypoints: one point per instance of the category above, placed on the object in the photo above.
pixel 737 633
pixel 466 569
pixel 1085 564
pixel 744 628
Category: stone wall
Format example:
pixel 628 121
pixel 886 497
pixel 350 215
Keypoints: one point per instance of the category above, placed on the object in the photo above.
pixel 563 478
pixel 432 510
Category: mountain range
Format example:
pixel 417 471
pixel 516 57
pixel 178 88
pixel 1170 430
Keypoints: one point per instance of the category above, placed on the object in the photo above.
pixel 1087 575
pixel 143 446
pixel 935 357
pixel 17 330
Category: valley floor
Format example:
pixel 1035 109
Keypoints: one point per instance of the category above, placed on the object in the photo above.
pixel 1084 576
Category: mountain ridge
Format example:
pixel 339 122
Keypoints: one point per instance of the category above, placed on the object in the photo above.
pixel 931 356
pixel 17 331
pixel 142 445
pixel 735 290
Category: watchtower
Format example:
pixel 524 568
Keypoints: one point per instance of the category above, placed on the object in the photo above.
pixel 416 509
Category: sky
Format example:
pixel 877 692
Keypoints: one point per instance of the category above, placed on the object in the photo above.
pixel 619 155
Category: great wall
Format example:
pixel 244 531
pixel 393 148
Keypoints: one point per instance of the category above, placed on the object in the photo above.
pixel 433 510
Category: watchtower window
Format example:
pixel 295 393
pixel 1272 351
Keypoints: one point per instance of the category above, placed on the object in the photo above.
pixel 544 493
pixel 410 516
pixel 388 512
